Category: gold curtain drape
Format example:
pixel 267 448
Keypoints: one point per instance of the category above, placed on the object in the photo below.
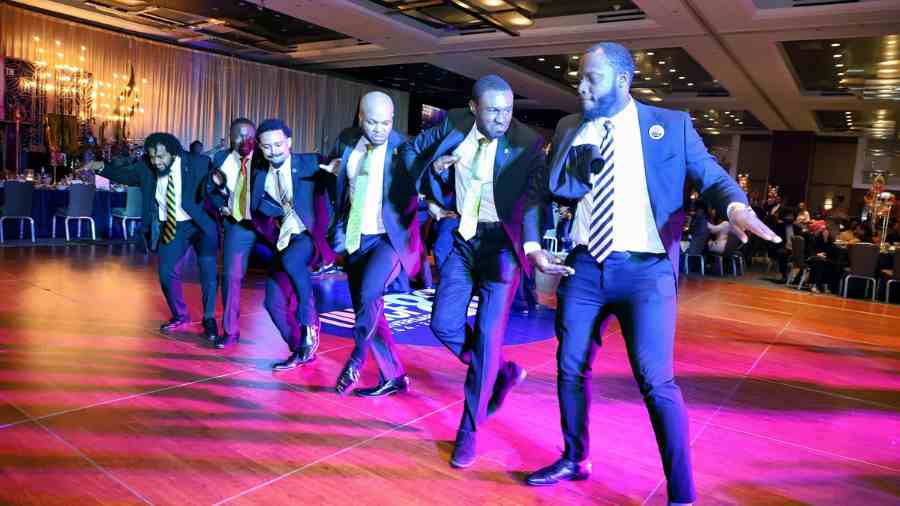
pixel 192 94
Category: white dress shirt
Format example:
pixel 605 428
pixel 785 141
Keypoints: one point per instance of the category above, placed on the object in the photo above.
pixel 231 167
pixel 372 220
pixel 291 222
pixel 162 184
pixel 465 172
pixel 634 228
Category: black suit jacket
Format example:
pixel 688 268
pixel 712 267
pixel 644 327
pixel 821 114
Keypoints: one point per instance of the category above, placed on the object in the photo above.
pixel 194 173
pixel 310 203
pixel 518 174
pixel 676 154
pixel 399 203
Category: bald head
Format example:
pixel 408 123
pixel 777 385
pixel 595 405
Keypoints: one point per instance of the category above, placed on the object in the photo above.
pixel 376 116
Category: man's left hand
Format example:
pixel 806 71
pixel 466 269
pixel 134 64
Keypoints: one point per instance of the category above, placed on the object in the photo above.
pixel 744 220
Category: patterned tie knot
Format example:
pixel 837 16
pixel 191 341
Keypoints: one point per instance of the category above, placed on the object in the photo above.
pixel 483 141
pixel 369 148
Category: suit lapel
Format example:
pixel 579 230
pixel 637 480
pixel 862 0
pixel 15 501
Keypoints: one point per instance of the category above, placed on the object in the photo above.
pixel 650 148
pixel 186 185
pixel 501 157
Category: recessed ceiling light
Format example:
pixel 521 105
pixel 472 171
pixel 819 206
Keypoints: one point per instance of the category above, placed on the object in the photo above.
pixel 661 62
pixel 690 84
pixel 557 67
pixel 837 55
pixel 575 57
pixel 672 70
pixel 646 78
pixel 838 65
pixel 835 44
pixel 637 71
pixel 542 59
pixel 680 77
pixel 650 53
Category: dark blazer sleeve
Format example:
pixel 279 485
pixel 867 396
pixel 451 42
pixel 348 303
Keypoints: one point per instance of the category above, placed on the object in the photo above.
pixel 125 171
pixel 714 183
pixel 567 180
pixel 214 197
pixel 418 153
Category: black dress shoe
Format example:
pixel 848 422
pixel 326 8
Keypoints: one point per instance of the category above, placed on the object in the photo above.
pixel 348 378
pixel 511 376
pixel 297 359
pixel 385 388
pixel 210 329
pixel 463 450
pixel 175 323
pixel 561 470
pixel 223 342
pixel 309 344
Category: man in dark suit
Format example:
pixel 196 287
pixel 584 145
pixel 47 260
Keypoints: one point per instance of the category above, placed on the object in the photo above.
pixel 621 166
pixel 172 183
pixel 236 166
pixel 375 225
pixel 484 166
pixel 289 213
pixel 785 229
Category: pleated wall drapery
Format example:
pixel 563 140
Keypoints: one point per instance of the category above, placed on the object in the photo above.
pixel 192 94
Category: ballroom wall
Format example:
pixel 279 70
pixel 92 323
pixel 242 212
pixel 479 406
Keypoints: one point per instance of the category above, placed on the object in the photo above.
pixel 190 93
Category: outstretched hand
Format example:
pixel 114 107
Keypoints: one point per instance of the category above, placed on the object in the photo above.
pixel 745 220
pixel 549 264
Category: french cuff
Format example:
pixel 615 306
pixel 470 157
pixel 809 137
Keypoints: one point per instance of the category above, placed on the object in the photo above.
pixel 531 246
pixel 735 206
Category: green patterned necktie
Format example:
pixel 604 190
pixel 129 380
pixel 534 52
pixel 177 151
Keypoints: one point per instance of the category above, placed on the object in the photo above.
pixel 472 203
pixel 354 222
pixel 168 231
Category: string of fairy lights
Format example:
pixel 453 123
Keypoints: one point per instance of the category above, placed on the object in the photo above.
pixel 66 76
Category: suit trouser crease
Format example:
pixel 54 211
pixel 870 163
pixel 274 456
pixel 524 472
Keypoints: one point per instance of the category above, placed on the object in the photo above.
pixel 171 263
pixel 289 299
pixel 370 269
pixel 485 265
pixel 639 290
pixel 240 239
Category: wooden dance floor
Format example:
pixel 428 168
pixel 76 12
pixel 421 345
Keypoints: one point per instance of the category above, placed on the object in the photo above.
pixel 793 400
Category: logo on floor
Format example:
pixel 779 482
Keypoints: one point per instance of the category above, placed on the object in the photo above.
pixel 409 316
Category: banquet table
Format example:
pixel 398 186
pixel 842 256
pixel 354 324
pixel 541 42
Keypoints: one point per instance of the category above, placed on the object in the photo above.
pixel 47 200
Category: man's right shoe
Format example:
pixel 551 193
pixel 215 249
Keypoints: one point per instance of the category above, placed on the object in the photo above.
pixel 511 376
pixel 463 450
pixel 348 378
pixel 224 341
pixel 397 385
pixel 561 470
pixel 175 323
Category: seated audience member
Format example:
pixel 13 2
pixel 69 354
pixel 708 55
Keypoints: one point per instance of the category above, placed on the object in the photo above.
pixel 786 230
pixel 823 263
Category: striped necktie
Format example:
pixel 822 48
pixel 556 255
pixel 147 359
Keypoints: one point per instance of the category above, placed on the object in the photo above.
pixel 357 205
pixel 168 231
pixel 601 200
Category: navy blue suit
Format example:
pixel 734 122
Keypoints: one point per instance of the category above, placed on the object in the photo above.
pixel 377 262
pixel 199 233
pixel 240 237
pixel 490 263
pixel 638 288
pixel 289 294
